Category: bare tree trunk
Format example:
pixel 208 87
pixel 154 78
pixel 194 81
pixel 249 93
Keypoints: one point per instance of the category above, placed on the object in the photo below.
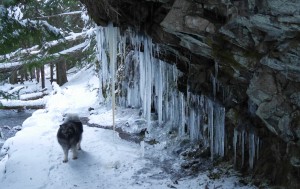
pixel 26 74
pixel 21 72
pixel 64 73
pixel 32 75
pixel 13 79
pixel 57 73
pixel 37 71
pixel 43 76
pixel 51 72
pixel 61 73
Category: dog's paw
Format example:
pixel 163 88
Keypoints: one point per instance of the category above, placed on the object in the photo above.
pixel 74 157
pixel 65 161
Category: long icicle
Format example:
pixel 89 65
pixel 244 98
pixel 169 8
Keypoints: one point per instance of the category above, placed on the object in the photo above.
pixel 112 32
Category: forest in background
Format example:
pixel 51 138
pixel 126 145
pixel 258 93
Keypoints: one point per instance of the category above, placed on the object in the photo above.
pixel 35 36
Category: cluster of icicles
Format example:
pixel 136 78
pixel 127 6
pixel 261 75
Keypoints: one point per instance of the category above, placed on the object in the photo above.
pixel 148 83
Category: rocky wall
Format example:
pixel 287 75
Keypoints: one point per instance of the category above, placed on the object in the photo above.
pixel 249 49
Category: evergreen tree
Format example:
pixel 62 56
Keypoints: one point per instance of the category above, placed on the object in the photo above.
pixel 35 33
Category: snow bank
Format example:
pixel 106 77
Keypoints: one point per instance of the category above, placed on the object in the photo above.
pixel 15 103
pixel 31 96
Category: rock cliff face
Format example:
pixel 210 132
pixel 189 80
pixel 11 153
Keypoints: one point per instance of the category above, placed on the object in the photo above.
pixel 250 49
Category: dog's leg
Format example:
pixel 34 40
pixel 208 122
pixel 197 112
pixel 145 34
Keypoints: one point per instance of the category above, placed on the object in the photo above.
pixel 74 149
pixel 78 144
pixel 66 151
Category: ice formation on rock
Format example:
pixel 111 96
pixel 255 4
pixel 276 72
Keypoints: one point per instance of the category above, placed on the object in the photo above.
pixel 144 81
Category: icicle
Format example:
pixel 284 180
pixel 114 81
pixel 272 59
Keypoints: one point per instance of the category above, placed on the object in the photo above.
pixel 142 80
pixel 218 129
pixel 221 130
pixel 131 82
pixel 182 114
pixel 149 81
pixel 112 43
pixel 171 105
pixel 194 117
pixel 160 92
pixel 148 70
pixel 193 131
pixel 199 126
pixel 145 80
pixel 253 146
pixel 214 86
pixel 211 127
pixel 235 138
pixel 102 59
pixel 257 147
pixel 251 149
pixel 243 146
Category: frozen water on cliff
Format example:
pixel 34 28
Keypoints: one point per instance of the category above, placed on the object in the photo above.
pixel 143 81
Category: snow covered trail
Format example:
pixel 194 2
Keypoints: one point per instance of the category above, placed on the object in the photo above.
pixel 33 158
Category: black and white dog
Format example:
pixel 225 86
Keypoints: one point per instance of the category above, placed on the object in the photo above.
pixel 69 135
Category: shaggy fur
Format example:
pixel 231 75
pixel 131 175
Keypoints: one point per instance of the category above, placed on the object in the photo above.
pixel 69 135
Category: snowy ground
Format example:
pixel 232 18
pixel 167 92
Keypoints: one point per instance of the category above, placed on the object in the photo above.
pixel 33 158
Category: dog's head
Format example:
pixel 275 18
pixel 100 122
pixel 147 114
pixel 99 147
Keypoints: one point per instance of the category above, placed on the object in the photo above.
pixel 67 130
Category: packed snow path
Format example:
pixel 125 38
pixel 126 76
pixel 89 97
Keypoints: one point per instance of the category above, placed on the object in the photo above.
pixel 105 161
pixel 33 158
